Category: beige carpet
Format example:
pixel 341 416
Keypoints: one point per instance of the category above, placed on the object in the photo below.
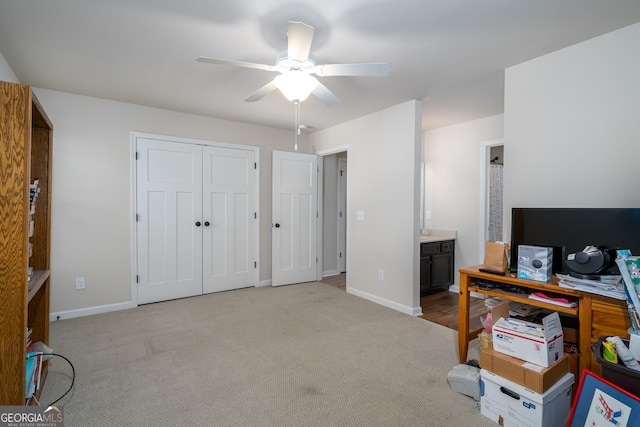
pixel 299 355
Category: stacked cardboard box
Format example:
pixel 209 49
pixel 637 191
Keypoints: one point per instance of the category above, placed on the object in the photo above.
pixel 510 404
pixel 526 377
pixel 533 377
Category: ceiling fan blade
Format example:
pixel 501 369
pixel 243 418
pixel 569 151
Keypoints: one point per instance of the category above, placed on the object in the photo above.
pixel 367 69
pixel 260 93
pixel 232 63
pixel 325 95
pixel 299 37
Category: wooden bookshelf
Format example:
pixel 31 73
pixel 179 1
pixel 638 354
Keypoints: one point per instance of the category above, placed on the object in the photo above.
pixel 26 139
pixel 597 315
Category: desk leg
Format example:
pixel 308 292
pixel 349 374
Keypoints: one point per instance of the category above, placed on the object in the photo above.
pixel 463 318
pixel 584 346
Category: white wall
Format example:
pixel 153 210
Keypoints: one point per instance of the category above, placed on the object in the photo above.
pixel 383 183
pixel 6 72
pixel 91 212
pixel 452 157
pixel 572 127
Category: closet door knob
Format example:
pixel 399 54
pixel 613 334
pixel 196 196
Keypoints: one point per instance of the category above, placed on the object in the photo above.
pixel 207 223
pixel 277 225
pixel 197 223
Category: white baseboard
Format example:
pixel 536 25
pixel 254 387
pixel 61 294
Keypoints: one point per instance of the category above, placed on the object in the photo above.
pixel 411 311
pixel 456 289
pixel 264 283
pixel 70 314
pixel 330 273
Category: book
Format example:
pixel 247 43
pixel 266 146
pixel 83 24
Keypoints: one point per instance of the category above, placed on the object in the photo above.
pixel 561 301
pixel 33 373
pixel 34 190
pixel 630 286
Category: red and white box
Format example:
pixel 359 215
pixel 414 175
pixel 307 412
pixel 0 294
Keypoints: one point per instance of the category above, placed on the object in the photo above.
pixel 538 344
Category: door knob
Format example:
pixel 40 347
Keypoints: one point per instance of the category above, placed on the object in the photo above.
pixel 277 225
pixel 206 223
pixel 197 223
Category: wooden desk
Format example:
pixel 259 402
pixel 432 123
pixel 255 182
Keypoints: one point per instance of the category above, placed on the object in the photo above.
pixel 597 315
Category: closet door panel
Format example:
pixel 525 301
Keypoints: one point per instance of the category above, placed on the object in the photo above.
pixel 169 204
pixel 229 207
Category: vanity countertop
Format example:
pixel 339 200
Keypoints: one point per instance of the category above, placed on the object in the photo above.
pixel 438 236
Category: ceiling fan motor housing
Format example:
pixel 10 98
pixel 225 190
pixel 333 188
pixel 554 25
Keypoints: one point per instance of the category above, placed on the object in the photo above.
pixel 285 63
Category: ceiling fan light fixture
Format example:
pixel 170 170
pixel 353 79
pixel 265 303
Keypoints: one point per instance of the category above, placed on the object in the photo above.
pixel 296 85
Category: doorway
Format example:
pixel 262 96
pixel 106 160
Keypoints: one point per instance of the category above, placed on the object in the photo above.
pixel 334 214
pixel 492 185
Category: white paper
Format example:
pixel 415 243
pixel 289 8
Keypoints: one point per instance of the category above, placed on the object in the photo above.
pixel 634 345
pixel 552 326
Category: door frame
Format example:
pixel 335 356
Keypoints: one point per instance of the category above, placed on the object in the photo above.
pixel 342 203
pixel 321 154
pixel 133 136
pixel 485 150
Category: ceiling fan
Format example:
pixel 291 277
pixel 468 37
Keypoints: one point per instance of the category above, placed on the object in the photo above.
pixel 296 66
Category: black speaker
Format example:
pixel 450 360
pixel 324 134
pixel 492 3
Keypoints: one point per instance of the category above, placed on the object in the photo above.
pixel 591 260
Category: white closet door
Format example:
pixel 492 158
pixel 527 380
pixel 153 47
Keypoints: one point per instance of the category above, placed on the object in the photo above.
pixel 229 219
pixel 169 207
pixel 295 216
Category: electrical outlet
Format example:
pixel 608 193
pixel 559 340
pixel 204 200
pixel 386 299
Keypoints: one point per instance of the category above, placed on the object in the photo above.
pixel 380 274
pixel 80 283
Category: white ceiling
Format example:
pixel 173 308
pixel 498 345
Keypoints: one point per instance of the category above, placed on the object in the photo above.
pixel 449 53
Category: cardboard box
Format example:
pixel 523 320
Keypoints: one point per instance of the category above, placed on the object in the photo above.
pixel 510 404
pixel 539 344
pixel 533 377
pixel 535 263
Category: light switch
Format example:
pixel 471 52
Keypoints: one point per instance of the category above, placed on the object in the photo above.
pixel 360 215
pixel 428 214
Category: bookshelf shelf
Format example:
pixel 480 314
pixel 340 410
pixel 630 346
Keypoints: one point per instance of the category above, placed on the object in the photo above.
pixel 25 154
pixel 37 280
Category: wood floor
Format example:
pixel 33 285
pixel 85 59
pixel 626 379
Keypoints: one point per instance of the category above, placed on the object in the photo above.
pixel 440 308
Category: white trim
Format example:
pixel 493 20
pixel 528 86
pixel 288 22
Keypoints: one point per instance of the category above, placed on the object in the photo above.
pixel 332 150
pixel 256 176
pixel 485 148
pixel 341 261
pixel 320 219
pixel 132 226
pixel 264 283
pixel 330 273
pixel 415 311
pixel 456 289
pixel 82 312
pixel 321 154
pixel 195 141
pixel 133 207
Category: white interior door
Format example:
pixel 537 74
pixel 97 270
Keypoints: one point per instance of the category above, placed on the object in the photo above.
pixel 169 206
pixel 294 218
pixel 229 214
pixel 196 210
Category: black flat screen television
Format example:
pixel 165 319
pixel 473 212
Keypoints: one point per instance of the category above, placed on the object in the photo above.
pixel 569 230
